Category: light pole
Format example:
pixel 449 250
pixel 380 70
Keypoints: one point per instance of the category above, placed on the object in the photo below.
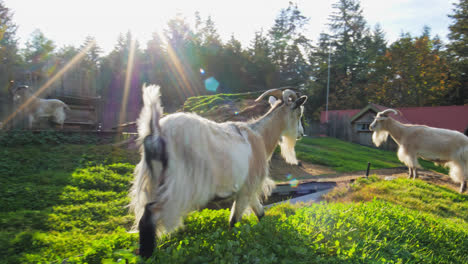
pixel 328 83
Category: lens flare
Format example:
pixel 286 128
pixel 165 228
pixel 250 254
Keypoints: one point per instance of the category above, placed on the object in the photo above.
pixel 202 71
pixel 77 58
pixel 289 176
pixel 236 113
pixel 294 183
pixel 211 84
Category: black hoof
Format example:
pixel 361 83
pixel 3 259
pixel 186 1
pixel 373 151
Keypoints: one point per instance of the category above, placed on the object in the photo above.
pixel 232 222
pixel 260 216
pixel 147 232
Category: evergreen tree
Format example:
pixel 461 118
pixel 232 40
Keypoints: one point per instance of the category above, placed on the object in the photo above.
pixel 183 61
pixel 10 61
pixel 263 73
pixel 350 40
pixel 233 75
pixel 288 46
pixel 458 52
pixel 38 55
pixel 90 67
pixel 317 85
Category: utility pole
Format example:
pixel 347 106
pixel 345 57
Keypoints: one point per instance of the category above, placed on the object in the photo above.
pixel 328 83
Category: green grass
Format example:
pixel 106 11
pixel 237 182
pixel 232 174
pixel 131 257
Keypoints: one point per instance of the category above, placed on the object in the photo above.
pixel 63 201
pixel 344 156
pixel 207 103
pixel 373 232
pixel 67 203
pixel 416 195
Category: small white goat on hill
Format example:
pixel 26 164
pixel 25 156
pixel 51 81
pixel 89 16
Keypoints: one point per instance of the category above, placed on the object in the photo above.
pixel 37 107
pixel 188 161
pixel 443 146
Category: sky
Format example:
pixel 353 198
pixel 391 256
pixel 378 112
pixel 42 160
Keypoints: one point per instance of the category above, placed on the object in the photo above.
pixel 68 22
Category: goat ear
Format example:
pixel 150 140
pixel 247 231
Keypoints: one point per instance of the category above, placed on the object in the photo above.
pixel 272 100
pixel 299 102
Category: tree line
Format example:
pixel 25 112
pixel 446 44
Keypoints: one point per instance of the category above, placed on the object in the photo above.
pixel 189 61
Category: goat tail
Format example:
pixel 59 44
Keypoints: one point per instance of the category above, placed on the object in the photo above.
pixel 459 167
pixel 149 173
pixel 66 106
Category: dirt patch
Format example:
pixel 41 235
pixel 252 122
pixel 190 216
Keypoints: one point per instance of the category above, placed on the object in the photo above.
pixel 308 172
pixel 280 170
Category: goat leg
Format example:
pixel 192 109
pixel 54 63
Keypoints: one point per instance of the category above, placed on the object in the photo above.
pixel 147 230
pixel 238 209
pixel 415 173
pixel 257 208
pixel 410 173
pixel 463 186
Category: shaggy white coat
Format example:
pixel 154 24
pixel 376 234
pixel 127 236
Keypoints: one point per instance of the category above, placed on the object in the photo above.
pixel 209 159
pixel 442 146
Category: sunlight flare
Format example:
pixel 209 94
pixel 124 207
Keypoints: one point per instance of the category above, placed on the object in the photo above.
pixel 77 58
pixel 128 79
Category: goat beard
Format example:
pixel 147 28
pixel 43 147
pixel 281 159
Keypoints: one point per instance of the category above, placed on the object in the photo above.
pixel 287 149
pixel 379 137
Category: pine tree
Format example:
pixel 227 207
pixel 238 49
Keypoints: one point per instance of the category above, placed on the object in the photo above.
pixel 90 67
pixel 10 61
pixel 263 73
pixel 38 56
pixel 458 52
pixel 349 37
pixel 289 45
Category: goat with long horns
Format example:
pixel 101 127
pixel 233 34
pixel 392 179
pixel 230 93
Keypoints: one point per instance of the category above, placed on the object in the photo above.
pixel 188 161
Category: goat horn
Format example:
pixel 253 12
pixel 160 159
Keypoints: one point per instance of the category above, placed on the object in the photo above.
pixel 278 92
pixel 273 92
pixel 385 112
pixel 289 94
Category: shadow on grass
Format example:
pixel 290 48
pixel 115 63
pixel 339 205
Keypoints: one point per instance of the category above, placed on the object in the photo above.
pixel 56 188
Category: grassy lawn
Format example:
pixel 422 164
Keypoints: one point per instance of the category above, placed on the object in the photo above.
pixel 65 203
pixel 344 156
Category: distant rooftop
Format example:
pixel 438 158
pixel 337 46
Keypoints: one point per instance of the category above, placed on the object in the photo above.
pixel 453 117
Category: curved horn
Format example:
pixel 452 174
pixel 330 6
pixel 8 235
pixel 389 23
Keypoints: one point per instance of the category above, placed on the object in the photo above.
pixel 273 92
pixel 278 93
pixel 387 111
pixel 289 94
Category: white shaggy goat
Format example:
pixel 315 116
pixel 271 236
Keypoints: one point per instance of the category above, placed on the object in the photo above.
pixel 442 146
pixel 37 107
pixel 188 161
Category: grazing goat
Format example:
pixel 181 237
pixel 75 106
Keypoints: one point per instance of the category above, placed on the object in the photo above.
pixel 188 161
pixel 443 146
pixel 37 107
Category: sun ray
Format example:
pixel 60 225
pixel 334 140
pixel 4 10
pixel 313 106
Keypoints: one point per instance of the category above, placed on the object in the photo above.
pixel 178 69
pixel 128 79
pixel 77 58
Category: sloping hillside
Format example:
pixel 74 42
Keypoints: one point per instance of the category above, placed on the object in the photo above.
pixel 227 107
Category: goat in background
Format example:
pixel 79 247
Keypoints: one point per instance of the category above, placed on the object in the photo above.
pixel 188 161
pixel 37 107
pixel 442 146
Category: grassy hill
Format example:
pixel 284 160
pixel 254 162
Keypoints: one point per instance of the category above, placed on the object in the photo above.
pixel 227 107
pixel 65 203
pixel 344 156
